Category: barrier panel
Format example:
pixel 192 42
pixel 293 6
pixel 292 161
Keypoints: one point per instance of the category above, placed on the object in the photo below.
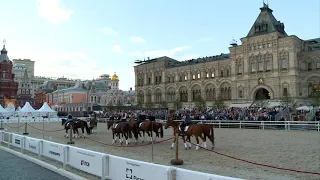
pixel 123 168
pixel 101 164
pixel 54 151
pixel 86 160
pixel 1 136
pixel 17 140
pixel 32 145
pixel 184 174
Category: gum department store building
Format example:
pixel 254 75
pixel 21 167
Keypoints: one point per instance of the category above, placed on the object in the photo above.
pixel 269 64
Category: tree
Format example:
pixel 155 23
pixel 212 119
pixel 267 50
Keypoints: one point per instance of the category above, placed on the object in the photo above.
pixel 260 100
pixel 164 105
pixel 149 105
pixel 315 98
pixel 219 103
pixel 177 104
pixel 200 102
pixel 287 100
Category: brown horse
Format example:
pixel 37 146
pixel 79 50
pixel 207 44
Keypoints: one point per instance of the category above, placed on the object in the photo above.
pixel 198 130
pixel 132 125
pixel 149 126
pixel 120 128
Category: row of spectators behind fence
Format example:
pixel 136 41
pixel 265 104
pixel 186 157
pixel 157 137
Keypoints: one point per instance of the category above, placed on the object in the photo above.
pixel 248 114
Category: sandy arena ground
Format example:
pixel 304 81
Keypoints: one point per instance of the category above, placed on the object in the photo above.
pixel 298 150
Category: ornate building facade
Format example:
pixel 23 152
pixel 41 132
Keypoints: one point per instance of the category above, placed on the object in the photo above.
pixel 104 91
pixel 8 88
pixel 269 64
pixel 25 91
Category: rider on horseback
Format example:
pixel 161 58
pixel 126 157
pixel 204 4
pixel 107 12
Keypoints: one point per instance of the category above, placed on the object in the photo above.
pixel 141 118
pixel 69 118
pixel 186 122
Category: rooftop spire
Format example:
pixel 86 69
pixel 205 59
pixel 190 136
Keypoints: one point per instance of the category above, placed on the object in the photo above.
pixel 4 51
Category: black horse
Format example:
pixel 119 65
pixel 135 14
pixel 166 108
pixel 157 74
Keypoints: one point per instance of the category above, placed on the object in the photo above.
pixel 118 128
pixel 76 123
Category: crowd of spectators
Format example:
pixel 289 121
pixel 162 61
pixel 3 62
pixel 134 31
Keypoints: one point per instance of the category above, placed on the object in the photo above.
pixel 249 114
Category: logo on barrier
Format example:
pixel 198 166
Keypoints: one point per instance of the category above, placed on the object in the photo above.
pixel 85 163
pixel 54 153
pixel 32 147
pixel 129 175
pixel 17 141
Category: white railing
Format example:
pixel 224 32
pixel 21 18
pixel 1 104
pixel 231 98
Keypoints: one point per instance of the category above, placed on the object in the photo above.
pixel 286 125
pixel 99 164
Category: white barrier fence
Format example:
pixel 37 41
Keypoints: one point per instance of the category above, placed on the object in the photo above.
pixel 102 165
pixel 36 119
pixel 286 125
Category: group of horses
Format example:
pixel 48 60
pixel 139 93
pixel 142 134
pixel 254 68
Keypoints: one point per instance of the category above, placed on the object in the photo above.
pixel 76 124
pixel 133 129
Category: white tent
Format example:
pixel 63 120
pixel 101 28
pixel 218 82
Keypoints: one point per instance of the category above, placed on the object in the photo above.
pixel 46 110
pixel 27 110
pixel 10 108
pixel 3 112
pixel 305 108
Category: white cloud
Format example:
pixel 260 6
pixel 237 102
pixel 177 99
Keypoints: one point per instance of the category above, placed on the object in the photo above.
pixel 53 11
pixel 136 39
pixel 173 53
pixel 117 49
pixel 109 31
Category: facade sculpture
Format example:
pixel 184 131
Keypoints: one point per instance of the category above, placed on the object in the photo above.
pixel 269 64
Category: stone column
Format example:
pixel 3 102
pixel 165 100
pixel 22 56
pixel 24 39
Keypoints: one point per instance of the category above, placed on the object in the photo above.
pixel 145 79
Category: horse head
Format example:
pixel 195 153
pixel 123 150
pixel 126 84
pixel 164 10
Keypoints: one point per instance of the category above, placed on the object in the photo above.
pixel 170 123
pixel 109 124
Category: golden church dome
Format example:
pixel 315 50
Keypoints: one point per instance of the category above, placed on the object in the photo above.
pixel 114 77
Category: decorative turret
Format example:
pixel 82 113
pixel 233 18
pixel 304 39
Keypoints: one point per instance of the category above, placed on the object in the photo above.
pixel 93 86
pixel 266 23
pixel 114 77
pixel 115 82
pixel 4 57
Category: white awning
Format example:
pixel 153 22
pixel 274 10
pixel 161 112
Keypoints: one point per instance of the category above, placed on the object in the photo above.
pixel 240 105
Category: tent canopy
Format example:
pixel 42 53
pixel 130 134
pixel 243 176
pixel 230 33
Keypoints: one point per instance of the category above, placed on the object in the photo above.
pixel 2 110
pixel 10 107
pixel 46 108
pixel 27 108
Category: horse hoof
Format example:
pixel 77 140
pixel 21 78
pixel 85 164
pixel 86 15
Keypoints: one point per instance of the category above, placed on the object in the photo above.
pixel 189 147
pixel 186 148
pixel 171 148
pixel 212 148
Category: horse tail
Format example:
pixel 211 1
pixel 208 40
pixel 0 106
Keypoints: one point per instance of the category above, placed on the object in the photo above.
pixel 161 131
pixel 87 127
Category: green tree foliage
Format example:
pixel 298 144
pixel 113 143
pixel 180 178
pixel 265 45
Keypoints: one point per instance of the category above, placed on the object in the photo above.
pixel 219 103
pixel 177 104
pixel 200 102
pixel 149 105
pixel 315 98
pixel 287 100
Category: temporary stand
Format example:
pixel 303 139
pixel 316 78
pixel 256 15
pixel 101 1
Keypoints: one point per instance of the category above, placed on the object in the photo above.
pixel 25 129
pixel 70 136
pixel 152 142
pixel 18 122
pixel 1 125
pixel 42 127
pixel 177 161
